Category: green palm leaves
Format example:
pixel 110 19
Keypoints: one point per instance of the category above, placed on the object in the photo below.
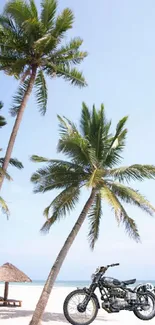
pixel 13 162
pixel 2 119
pixel 4 207
pixel 93 154
pixel 41 92
pixel 29 39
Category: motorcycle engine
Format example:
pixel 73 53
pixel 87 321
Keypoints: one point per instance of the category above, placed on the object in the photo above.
pixel 119 300
pixel 118 303
pixel 117 293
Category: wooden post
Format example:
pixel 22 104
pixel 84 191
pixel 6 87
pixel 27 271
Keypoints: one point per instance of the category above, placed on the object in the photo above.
pixel 6 290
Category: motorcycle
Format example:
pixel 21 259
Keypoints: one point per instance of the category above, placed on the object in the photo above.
pixel 81 306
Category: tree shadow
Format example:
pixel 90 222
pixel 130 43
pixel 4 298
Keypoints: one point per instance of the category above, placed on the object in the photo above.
pixel 47 317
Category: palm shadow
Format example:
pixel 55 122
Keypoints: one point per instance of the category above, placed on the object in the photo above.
pixel 47 317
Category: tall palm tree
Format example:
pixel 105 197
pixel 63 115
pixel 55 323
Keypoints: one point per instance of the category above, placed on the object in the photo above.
pixel 14 162
pixel 93 155
pixel 31 47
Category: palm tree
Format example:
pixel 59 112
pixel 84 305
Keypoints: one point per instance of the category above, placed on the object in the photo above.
pixel 93 155
pixel 14 162
pixel 32 47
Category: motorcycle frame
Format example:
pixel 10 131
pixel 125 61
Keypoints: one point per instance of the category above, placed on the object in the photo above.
pixel 98 283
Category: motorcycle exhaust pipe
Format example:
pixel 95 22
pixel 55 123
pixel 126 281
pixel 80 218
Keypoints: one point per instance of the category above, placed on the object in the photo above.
pixel 106 308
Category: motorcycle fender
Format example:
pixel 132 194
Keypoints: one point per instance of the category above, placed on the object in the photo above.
pixel 139 286
pixel 93 295
pixel 145 287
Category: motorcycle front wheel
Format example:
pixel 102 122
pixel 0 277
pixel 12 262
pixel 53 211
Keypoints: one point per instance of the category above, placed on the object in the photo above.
pixel 73 311
pixel 146 312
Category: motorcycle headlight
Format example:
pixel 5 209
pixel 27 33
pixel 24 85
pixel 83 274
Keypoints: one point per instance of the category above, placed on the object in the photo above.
pixel 95 273
pixel 92 276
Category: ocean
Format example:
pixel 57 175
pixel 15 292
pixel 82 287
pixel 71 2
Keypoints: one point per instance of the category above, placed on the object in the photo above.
pixel 70 283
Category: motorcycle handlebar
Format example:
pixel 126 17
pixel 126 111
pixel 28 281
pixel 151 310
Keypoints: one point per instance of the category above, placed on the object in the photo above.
pixel 112 265
pixel 104 268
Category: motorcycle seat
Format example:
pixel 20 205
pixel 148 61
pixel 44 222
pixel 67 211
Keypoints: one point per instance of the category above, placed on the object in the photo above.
pixel 128 282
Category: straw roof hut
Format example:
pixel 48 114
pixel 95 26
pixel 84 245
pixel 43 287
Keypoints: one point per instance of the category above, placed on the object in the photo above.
pixel 10 273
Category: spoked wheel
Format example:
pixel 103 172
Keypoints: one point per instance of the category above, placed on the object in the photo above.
pixel 75 310
pixel 147 311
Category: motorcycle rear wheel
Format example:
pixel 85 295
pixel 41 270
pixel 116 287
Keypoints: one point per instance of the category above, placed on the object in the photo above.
pixel 75 317
pixel 139 312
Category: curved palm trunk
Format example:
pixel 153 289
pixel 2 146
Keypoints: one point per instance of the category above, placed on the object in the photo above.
pixel 41 305
pixel 17 124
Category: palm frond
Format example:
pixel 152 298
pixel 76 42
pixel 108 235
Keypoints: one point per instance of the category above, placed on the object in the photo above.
pixel 133 172
pixel 120 213
pixel 33 8
pixel 61 205
pixel 99 139
pixel 56 162
pixel 18 98
pixel 94 217
pixel 9 64
pixel 113 158
pixel 111 199
pixel 4 207
pixel 120 126
pixel 64 202
pixel 69 48
pixel 20 67
pixel 41 92
pixel 32 28
pixel 63 23
pixel 57 174
pixel 131 196
pixel 85 121
pixel 129 223
pixel 73 144
pixel 18 10
pixel 120 135
pixel 13 162
pixel 115 145
pixel 2 121
pixel 48 13
pixel 66 127
pixel 2 118
pixel 72 75
pixel 95 178
pixel 95 128
pixel 39 159
pixel 76 147
pixel 44 45
pixel 6 175
pixel 7 24
pixel 72 59
pixel 69 54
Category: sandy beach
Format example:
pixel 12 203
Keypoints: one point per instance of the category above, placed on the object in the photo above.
pixel 54 313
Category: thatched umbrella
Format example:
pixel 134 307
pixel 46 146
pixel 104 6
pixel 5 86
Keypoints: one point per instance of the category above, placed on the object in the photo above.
pixel 9 273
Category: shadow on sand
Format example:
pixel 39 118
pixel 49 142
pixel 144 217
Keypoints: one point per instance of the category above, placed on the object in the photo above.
pixel 47 317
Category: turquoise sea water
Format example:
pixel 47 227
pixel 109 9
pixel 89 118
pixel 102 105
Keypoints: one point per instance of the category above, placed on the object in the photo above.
pixel 70 283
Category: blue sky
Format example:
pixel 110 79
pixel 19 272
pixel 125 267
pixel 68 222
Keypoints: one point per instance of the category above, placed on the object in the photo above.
pixel 120 70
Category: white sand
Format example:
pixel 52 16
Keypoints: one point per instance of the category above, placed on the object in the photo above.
pixel 54 314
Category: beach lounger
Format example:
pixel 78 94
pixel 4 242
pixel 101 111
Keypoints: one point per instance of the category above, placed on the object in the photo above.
pixel 10 302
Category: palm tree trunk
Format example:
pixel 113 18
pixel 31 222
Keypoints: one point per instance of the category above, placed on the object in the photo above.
pixel 17 124
pixel 41 305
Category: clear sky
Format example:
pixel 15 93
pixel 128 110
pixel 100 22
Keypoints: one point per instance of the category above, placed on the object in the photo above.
pixel 120 70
